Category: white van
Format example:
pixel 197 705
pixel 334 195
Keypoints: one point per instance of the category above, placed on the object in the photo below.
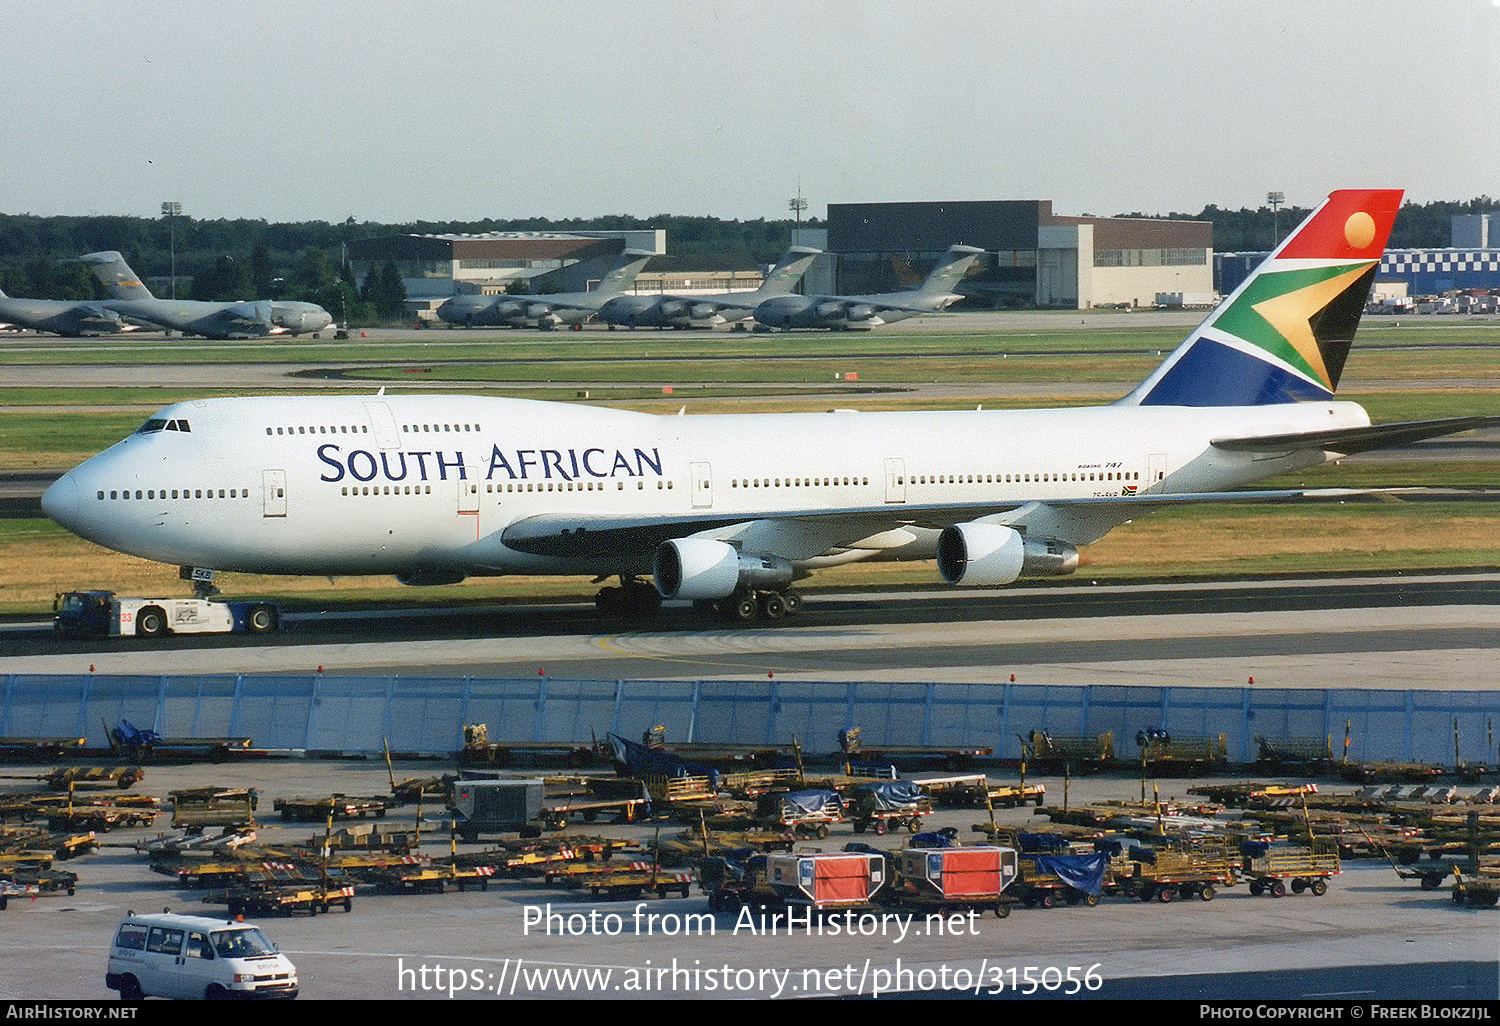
pixel 175 956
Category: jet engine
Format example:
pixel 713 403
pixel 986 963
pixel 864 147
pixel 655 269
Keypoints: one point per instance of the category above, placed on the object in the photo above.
pixel 990 555
pixel 706 569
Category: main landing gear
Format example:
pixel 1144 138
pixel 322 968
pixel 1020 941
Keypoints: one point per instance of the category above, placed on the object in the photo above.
pixel 747 606
pixel 634 599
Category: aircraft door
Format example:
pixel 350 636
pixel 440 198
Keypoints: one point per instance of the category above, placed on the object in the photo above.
pixel 468 497
pixel 895 480
pixel 703 486
pixel 273 487
pixel 1156 470
pixel 384 425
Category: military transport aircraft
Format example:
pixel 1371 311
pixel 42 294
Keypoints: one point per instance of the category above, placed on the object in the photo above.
pixel 859 313
pixel 545 312
pixel 708 311
pixel 133 301
pixel 73 318
pixel 731 509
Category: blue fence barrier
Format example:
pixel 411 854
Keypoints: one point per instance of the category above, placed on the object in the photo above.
pixel 356 713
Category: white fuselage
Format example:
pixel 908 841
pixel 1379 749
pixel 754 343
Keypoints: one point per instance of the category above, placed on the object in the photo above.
pixel 420 484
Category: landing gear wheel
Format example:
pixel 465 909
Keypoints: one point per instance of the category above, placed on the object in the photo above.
pixel 772 605
pixel 740 608
pixel 793 602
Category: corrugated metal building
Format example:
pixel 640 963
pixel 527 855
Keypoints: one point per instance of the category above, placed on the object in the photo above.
pixel 1034 257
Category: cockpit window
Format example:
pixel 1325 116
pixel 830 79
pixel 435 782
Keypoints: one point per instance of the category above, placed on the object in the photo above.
pixel 162 424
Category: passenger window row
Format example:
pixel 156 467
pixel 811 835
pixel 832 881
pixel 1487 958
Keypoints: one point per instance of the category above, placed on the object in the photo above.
pixel 177 493
pixel 921 479
pixel 413 429
pixel 796 482
pixel 386 490
pixel 567 486
pixel 322 429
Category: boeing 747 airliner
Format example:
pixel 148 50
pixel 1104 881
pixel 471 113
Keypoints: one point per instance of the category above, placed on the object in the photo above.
pixel 732 509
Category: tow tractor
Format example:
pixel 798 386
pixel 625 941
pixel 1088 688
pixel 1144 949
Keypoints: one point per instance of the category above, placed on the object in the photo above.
pixel 105 613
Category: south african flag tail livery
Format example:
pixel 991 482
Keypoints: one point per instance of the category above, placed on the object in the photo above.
pixel 1284 334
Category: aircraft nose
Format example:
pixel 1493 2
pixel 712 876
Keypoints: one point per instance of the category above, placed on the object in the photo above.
pixel 60 501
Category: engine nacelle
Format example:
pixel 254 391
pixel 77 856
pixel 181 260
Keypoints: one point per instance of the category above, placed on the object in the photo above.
pixel 859 312
pixel 991 555
pixel 705 569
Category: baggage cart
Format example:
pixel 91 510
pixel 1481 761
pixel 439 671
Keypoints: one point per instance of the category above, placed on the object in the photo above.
pixel 287 891
pixel 1168 875
pixel 1083 751
pixel 886 805
pixel 304 810
pixel 1271 872
pixel 199 807
pixel 805 813
pixel 1474 890
pixel 1045 881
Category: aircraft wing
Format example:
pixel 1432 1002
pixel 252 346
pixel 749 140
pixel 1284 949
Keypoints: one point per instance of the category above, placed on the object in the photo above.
pixel 584 535
pixel 1355 439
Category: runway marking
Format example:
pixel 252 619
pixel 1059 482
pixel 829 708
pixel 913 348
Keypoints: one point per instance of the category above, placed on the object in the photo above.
pixel 606 643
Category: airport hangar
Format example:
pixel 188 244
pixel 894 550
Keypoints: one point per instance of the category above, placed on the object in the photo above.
pixel 1035 258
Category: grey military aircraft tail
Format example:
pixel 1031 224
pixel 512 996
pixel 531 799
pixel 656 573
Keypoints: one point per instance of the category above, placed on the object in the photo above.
pixel 133 301
pixel 545 312
pixel 668 311
pixel 61 316
pixel 860 313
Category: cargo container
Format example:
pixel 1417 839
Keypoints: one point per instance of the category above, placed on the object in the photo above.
pixel 826 880
pixel 491 806
pixel 956 877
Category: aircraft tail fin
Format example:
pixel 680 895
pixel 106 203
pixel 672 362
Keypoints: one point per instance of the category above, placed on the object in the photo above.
pixel 783 278
pixel 622 275
pixel 949 271
pixel 116 276
pixel 1283 335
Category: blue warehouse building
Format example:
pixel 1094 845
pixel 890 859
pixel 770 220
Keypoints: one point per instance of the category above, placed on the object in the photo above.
pixel 1472 263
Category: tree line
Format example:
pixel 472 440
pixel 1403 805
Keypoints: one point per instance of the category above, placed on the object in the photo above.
pixel 229 259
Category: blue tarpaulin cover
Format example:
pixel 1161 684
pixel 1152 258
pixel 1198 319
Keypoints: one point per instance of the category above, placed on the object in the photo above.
pixel 890 794
pixel 811 803
pixel 131 736
pixel 636 758
pixel 933 839
pixel 1083 872
pixel 1029 843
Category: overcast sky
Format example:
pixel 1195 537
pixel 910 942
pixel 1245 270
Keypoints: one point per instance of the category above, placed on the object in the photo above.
pixel 404 110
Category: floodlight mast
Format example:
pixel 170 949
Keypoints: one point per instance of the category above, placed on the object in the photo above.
pixel 171 209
